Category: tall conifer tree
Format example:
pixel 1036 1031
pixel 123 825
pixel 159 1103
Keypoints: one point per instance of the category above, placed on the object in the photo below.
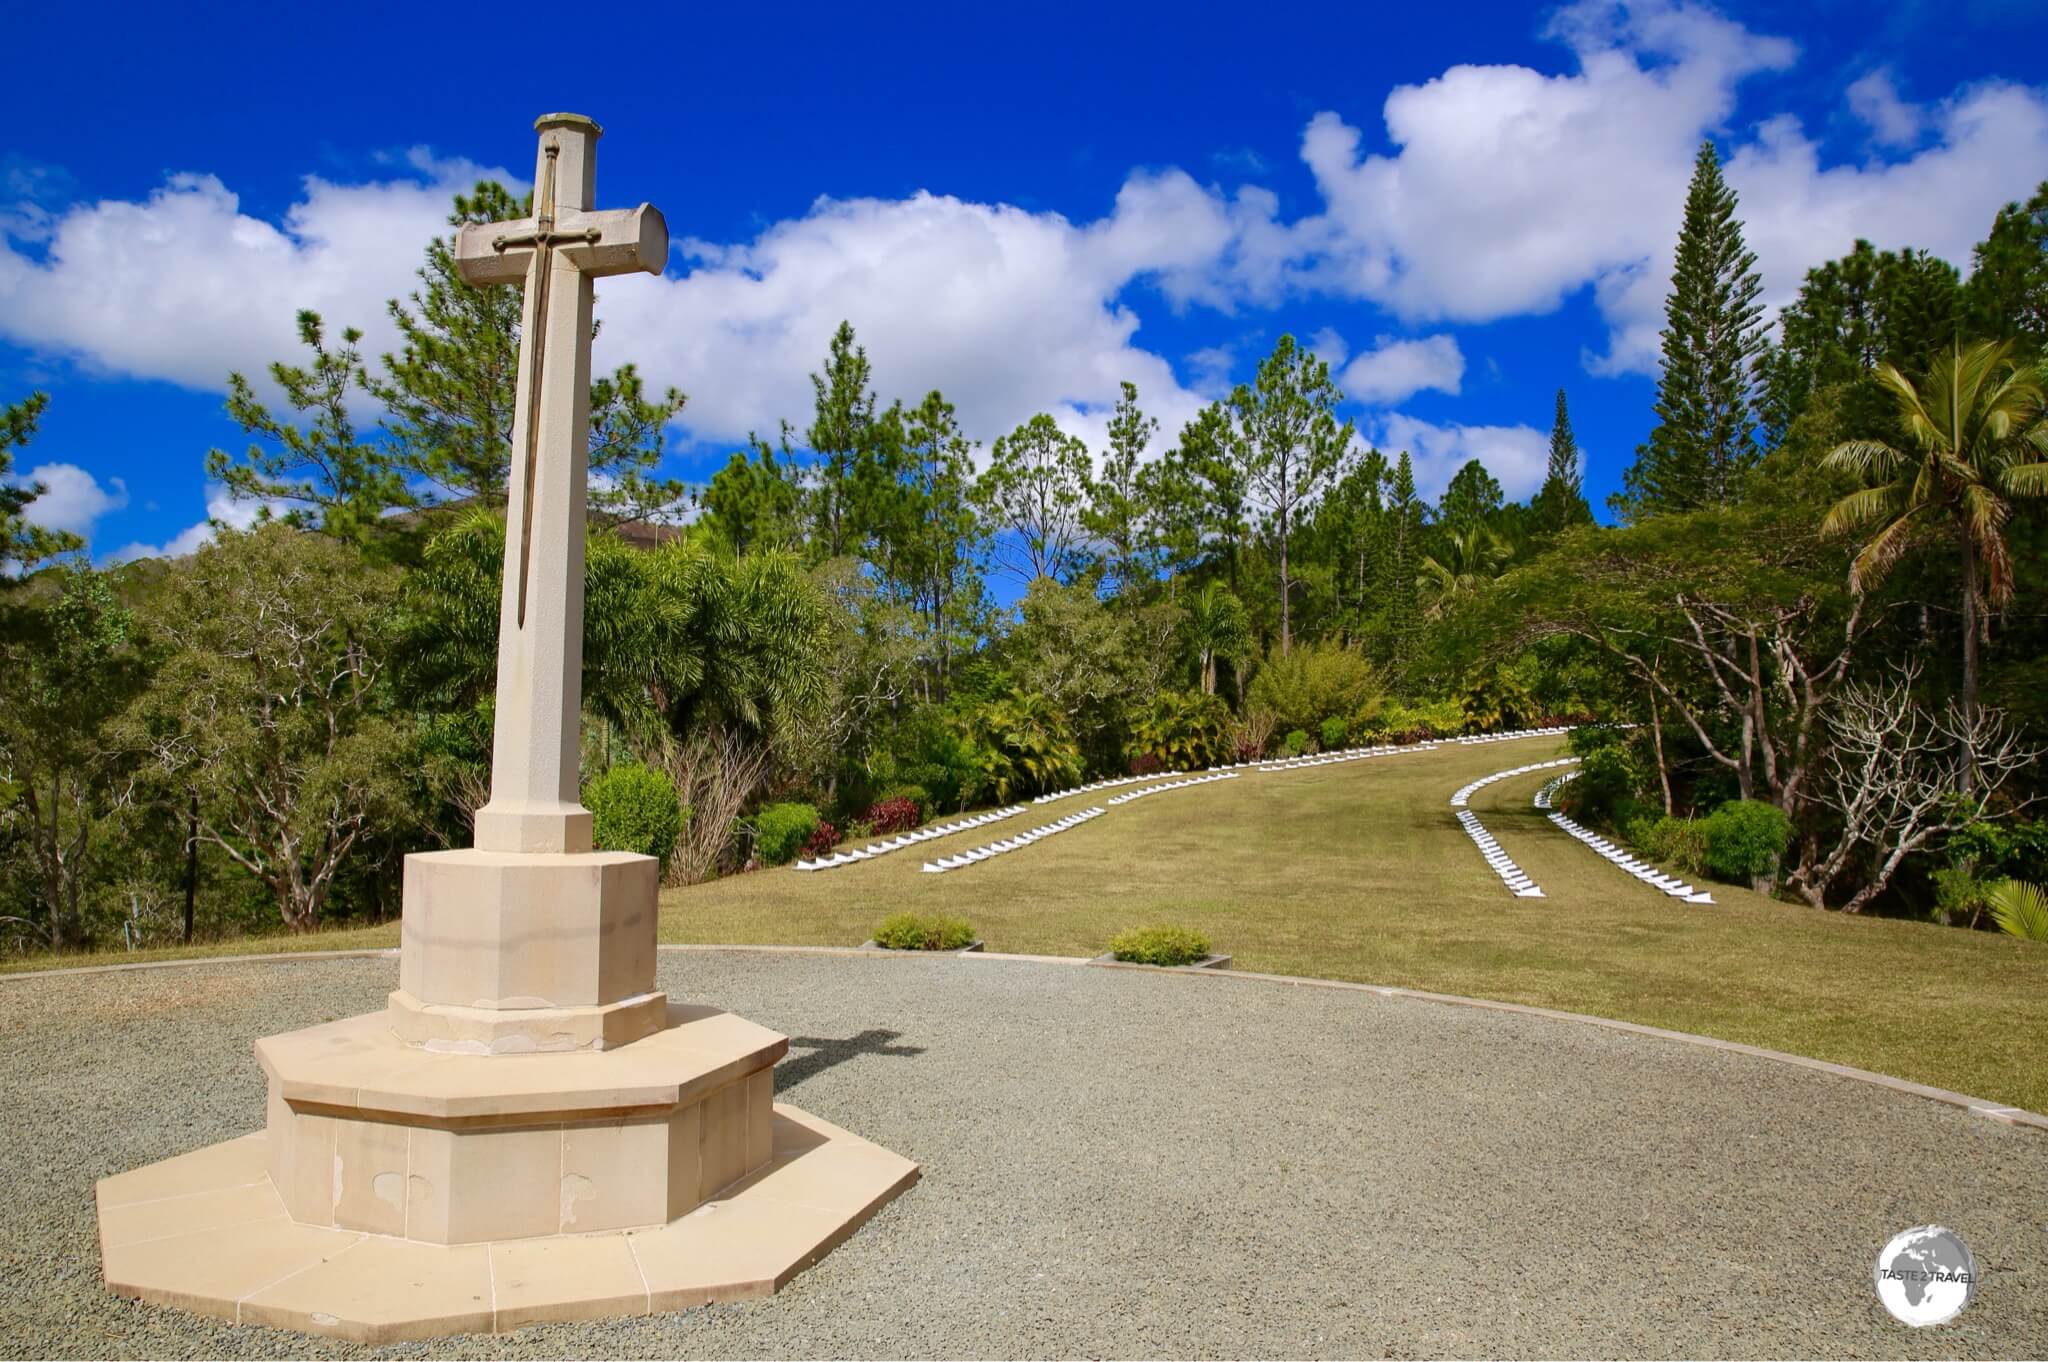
pixel 1404 561
pixel 1561 501
pixel 1713 338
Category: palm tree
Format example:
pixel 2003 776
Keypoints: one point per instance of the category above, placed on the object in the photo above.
pixel 1217 626
pixel 1475 557
pixel 1977 444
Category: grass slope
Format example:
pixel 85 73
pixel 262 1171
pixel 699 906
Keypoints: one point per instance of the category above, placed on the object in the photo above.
pixel 1360 872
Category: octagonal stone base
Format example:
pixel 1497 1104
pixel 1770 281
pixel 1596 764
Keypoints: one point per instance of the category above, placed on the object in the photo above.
pixel 208 1232
pixel 369 1133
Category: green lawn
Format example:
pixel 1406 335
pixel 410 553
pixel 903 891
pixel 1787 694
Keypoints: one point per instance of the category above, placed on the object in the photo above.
pixel 1360 872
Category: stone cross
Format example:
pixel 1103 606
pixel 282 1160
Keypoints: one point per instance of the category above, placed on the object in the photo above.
pixel 554 255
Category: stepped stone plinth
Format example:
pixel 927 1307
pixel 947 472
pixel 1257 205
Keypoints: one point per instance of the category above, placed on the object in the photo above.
pixel 529 1130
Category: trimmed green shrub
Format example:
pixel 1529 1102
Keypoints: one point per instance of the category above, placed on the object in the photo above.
pixel 780 831
pixel 1677 842
pixel 1161 944
pixel 634 809
pixel 918 932
pixel 1294 744
pixel 1745 838
pixel 1335 733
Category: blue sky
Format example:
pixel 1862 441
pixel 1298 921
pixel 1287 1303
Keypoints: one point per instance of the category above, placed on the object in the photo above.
pixel 1463 208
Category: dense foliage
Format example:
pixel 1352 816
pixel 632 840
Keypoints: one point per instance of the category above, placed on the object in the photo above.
pixel 1809 657
pixel 1159 945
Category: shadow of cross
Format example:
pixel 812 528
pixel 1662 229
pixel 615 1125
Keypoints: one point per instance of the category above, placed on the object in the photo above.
pixel 825 1053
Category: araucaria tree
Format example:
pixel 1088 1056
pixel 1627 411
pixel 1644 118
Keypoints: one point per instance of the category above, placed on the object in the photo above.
pixel 1560 504
pixel 1290 443
pixel 1705 437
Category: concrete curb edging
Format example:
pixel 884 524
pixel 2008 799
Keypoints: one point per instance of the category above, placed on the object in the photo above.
pixel 1975 1106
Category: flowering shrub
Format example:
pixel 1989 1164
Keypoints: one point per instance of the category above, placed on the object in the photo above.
pixel 892 815
pixel 1145 764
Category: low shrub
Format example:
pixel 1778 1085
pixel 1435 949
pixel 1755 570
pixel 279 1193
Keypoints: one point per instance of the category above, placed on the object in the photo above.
pixel 822 839
pixel 916 794
pixel 1294 744
pixel 1677 842
pixel 1960 895
pixel 1335 733
pixel 1745 838
pixel 918 932
pixel 1145 764
pixel 1161 944
pixel 634 809
pixel 782 830
pixel 1608 776
pixel 891 815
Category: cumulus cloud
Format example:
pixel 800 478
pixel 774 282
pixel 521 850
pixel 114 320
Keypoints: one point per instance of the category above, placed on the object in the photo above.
pixel 1891 120
pixel 221 509
pixel 1510 189
pixel 1394 370
pixel 1516 455
pixel 72 499
pixel 184 286
pixel 1007 312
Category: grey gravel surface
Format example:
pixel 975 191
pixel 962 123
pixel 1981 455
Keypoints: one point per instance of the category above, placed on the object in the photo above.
pixel 1120 1163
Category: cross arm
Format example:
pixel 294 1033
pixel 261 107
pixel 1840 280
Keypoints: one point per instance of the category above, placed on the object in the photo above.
pixel 617 241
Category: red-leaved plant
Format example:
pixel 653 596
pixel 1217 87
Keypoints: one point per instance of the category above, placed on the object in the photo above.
pixel 892 815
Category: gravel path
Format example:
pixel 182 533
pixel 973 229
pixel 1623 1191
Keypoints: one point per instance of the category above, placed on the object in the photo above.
pixel 1119 1163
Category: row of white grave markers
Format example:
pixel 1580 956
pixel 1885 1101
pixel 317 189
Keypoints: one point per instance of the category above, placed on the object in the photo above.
pixel 1327 758
pixel 1102 785
pixel 868 853
pixel 1477 738
pixel 1459 799
pixel 1648 874
pixel 1173 785
pixel 1511 875
pixel 1021 840
pixel 1519 884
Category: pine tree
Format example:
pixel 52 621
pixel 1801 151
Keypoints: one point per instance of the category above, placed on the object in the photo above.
pixel 1472 498
pixel 23 545
pixel 1115 510
pixel 843 434
pixel 451 390
pixel 1713 340
pixel 1561 502
pixel 327 477
pixel 2007 296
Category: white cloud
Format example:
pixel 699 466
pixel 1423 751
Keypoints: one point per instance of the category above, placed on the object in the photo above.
pixel 1394 370
pixel 1891 120
pixel 1510 189
pixel 185 287
pixel 72 499
pixel 221 509
pixel 1516 455
pixel 1007 312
